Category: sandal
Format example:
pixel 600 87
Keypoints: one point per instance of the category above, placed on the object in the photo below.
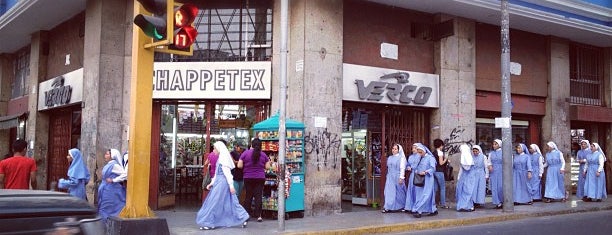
pixel 259 219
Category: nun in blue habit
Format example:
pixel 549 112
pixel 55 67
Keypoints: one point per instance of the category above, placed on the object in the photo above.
pixel 494 163
pixel 481 175
pixel 595 180
pixel 111 193
pixel 424 197
pixel 581 158
pixel 78 175
pixel 411 163
pixel 221 208
pixel 466 181
pixel 537 165
pixel 521 174
pixel 395 188
pixel 555 184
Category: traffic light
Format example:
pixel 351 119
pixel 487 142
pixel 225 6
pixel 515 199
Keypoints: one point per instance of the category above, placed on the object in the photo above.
pixel 184 33
pixel 154 26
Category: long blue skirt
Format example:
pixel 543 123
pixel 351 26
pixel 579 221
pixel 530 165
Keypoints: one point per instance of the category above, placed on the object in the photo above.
pixel 221 208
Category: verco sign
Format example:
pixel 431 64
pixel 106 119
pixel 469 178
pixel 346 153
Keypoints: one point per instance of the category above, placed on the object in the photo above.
pixel 61 91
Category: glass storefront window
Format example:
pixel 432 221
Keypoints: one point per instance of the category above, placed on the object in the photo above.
pixel 486 133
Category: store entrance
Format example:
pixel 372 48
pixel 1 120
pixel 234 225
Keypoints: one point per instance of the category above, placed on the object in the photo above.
pixel 186 134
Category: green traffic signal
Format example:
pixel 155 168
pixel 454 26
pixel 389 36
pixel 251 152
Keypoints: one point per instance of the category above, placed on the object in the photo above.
pixel 152 26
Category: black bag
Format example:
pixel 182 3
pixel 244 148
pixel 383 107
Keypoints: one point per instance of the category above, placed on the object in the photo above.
pixel 419 180
pixel 448 173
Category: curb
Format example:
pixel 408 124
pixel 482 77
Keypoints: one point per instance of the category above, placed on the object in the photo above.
pixel 433 224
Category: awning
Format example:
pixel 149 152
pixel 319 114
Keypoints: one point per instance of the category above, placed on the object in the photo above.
pixel 7 122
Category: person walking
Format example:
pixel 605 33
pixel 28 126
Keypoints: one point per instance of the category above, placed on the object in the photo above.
pixel 581 158
pixel 18 171
pixel 555 182
pixel 537 165
pixel 494 163
pixel 254 162
pixel 425 200
pixel 111 193
pixel 395 188
pixel 595 176
pixel 441 163
pixel 78 175
pixel 521 174
pixel 221 208
pixel 210 165
pixel 466 181
pixel 237 172
pixel 411 163
pixel 481 173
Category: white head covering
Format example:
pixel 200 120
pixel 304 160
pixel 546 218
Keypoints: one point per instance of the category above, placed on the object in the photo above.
pixel 479 149
pixel 466 155
pixel 587 144
pixel 552 145
pixel 499 142
pixel 536 148
pixel 225 159
pixel 597 148
pixel 116 155
pixel 400 151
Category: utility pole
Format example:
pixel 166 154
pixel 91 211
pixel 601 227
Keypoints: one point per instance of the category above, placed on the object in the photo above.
pixel 506 109
pixel 282 131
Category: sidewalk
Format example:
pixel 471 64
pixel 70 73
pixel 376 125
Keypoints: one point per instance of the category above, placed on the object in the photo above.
pixel 369 222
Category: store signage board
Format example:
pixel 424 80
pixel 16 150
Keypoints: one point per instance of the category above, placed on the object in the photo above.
pixel 61 91
pixel 390 86
pixel 212 80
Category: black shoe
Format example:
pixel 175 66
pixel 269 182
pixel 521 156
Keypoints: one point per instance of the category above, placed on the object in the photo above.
pixel 383 211
pixel 547 200
pixel 598 200
pixel 466 210
pixel 433 213
pixel 476 205
pixel 417 215
pixel 500 206
pixel 207 228
pixel 537 200
pixel 244 225
pixel 586 199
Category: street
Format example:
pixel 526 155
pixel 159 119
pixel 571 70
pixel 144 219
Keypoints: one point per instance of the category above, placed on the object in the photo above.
pixel 578 223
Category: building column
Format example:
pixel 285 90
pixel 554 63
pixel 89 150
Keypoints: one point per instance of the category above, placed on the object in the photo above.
pixel 37 129
pixel 106 67
pixel 454 121
pixel 6 75
pixel 608 102
pixel 315 92
pixel 556 122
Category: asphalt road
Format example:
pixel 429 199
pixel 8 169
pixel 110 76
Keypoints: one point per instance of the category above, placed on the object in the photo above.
pixel 592 223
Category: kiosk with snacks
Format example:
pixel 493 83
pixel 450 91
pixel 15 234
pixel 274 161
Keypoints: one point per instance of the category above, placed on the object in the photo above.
pixel 267 132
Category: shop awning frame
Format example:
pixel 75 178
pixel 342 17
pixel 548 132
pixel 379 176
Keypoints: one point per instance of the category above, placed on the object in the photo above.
pixel 10 121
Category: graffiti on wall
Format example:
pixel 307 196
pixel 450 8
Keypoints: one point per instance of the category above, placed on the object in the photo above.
pixel 324 146
pixel 454 140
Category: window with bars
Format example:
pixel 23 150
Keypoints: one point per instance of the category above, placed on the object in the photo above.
pixel 231 33
pixel 586 75
pixel 21 71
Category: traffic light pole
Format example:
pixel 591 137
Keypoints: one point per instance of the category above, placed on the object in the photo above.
pixel 141 105
pixel 282 116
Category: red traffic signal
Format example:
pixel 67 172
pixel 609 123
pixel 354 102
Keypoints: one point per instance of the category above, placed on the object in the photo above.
pixel 184 33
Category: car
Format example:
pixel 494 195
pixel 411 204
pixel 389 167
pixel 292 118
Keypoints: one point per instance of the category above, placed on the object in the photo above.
pixel 46 212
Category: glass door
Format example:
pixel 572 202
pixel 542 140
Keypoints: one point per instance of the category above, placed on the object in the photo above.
pixel 355 167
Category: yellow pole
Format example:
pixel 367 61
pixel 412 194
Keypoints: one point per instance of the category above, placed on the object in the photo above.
pixel 141 105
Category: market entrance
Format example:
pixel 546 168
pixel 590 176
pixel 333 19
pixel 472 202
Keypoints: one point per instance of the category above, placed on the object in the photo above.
pixel 186 132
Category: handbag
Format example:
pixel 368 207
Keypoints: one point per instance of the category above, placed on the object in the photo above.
pixel 448 173
pixel 418 180
pixel 206 179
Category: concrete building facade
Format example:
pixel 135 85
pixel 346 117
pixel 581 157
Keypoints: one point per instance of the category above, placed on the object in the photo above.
pixel 561 93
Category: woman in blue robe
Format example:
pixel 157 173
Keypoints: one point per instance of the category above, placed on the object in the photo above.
pixel 595 176
pixel 481 173
pixel 424 197
pixel 494 163
pixel 221 208
pixel 111 193
pixel 78 175
pixel 395 188
pixel 411 163
pixel 555 182
pixel 537 165
pixel 521 174
pixel 466 181
pixel 581 157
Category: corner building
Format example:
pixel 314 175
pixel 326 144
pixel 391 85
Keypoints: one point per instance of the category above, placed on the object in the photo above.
pixel 362 75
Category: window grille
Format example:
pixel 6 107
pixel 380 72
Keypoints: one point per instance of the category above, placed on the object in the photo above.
pixel 586 75
pixel 227 33
pixel 21 70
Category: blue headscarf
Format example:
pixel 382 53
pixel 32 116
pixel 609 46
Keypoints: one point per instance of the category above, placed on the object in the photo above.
pixel 525 149
pixel 424 148
pixel 77 169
